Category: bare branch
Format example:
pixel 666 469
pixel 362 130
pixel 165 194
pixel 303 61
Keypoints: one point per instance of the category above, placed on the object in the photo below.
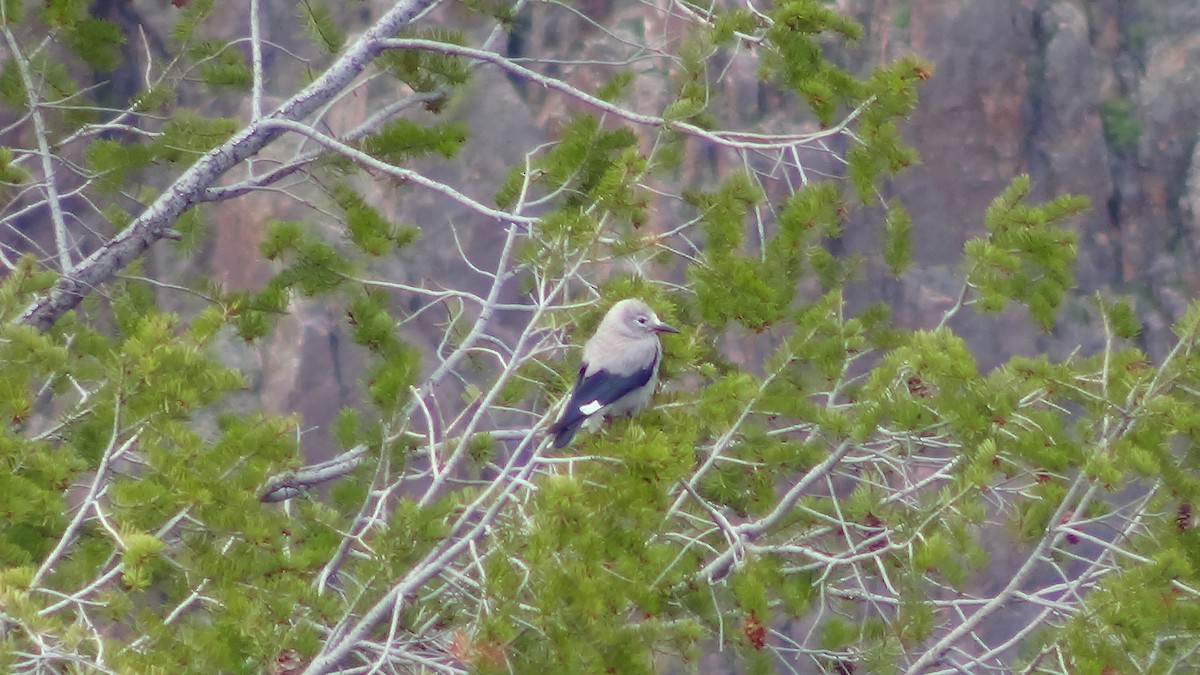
pixel 49 180
pixel 292 484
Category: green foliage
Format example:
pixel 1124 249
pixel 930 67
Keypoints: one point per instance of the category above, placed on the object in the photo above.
pixel 590 565
pixel 615 87
pixel 95 41
pixel 373 327
pixel 889 93
pixel 691 82
pixel 596 170
pixel 12 12
pixel 11 174
pixel 1027 255
pixel 503 12
pixel 321 28
pixel 728 25
pixel 402 140
pixel 12 88
pixel 1122 129
pixel 897 243
pixel 1120 317
pixel 143 384
pixel 591 164
pixel 313 267
pixel 427 71
pixel 113 161
pixel 187 135
pixel 152 99
pixel 815 478
pixel 758 292
pixel 190 16
pixel 316 267
pixel 367 228
pixel 1130 613
pixel 227 69
pixel 482 448
pixel 50 80
pixel 795 56
pixel 192 227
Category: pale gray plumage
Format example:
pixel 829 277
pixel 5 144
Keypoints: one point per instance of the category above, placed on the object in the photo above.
pixel 619 369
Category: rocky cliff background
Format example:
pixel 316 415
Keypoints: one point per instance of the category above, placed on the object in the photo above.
pixel 1096 98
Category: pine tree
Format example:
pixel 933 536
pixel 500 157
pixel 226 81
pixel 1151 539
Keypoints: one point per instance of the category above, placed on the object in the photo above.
pixel 817 489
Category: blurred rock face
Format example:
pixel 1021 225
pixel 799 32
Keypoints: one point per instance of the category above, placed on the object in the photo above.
pixel 1100 99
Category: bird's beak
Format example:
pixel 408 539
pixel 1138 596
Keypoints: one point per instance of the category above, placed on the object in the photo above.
pixel 661 327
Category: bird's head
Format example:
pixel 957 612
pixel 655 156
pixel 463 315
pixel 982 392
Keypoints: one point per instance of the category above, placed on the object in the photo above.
pixel 635 319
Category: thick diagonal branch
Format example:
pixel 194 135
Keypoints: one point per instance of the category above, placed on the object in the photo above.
pixel 153 223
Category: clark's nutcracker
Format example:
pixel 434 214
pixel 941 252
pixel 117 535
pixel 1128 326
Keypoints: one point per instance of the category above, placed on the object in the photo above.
pixel 619 370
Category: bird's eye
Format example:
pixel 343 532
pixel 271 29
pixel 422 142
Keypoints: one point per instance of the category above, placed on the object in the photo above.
pixel 641 320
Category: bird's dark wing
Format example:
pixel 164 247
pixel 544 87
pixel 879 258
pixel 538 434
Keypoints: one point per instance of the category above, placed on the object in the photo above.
pixel 593 392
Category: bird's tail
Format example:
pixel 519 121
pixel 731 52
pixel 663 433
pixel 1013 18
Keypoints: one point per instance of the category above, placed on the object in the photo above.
pixel 564 430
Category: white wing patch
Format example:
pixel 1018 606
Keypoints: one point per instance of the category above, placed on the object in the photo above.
pixel 590 408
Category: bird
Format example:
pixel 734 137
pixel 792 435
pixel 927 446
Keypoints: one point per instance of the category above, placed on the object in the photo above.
pixel 619 369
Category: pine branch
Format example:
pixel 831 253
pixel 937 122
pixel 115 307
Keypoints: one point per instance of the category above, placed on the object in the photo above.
pixel 149 227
